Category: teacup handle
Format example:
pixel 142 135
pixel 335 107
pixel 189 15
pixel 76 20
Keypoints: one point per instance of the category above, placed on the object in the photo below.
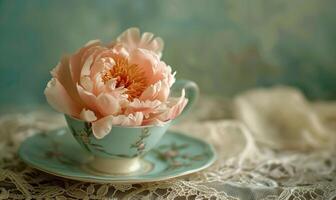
pixel 192 94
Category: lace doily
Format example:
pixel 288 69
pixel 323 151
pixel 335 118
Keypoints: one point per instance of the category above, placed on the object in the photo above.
pixel 248 167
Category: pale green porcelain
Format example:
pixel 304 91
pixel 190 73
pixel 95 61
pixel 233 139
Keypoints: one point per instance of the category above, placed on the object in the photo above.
pixel 119 151
pixel 128 142
pixel 58 153
pixel 125 142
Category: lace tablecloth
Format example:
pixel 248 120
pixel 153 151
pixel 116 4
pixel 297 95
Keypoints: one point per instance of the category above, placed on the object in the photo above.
pixel 271 144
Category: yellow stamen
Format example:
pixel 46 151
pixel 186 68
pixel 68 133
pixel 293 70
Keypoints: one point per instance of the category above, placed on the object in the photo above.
pixel 129 76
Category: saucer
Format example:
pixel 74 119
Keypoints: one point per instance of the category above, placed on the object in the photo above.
pixel 57 153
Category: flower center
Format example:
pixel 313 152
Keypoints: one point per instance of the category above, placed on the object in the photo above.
pixel 129 76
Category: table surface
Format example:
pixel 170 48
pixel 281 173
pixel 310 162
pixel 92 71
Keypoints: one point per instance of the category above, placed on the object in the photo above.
pixel 247 166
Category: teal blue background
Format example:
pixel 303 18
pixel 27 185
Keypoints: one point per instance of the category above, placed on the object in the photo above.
pixel 226 46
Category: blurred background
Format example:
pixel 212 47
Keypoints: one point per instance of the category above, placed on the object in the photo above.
pixel 226 46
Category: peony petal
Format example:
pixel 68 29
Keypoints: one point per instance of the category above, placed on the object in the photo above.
pixel 154 70
pixel 163 93
pixel 91 43
pixel 175 108
pixel 54 72
pixel 132 40
pixel 86 83
pixel 88 115
pixel 101 65
pixel 146 38
pixel 130 37
pixel 107 104
pixel 87 66
pixel 59 99
pixel 63 75
pixel 75 63
pixel 162 71
pixel 102 127
pixel 99 85
pixel 128 120
pixel 89 99
pixel 111 84
pixel 170 76
pixel 157 46
pixel 137 119
pixel 119 119
pixel 147 42
pixel 148 94
pixel 145 107
pixel 120 50
pixel 151 92
pixel 146 60
pixel 97 67
pixel 158 91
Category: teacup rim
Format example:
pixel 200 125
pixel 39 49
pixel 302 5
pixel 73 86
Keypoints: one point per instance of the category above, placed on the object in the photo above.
pixel 119 126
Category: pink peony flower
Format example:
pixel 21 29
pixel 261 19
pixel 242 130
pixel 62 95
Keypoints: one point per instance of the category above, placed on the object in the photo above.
pixel 124 83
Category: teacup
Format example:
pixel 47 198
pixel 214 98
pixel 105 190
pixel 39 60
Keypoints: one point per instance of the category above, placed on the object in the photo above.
pixel 121 151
